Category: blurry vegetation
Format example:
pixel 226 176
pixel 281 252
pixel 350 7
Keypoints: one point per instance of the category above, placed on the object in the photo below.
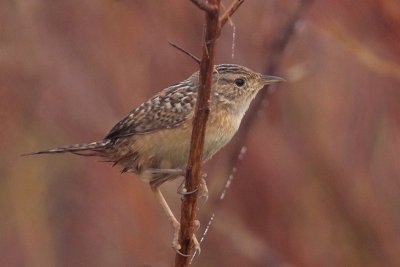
pixel 318 186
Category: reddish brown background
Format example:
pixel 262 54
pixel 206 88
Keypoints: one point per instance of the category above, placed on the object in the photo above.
pixel 319 185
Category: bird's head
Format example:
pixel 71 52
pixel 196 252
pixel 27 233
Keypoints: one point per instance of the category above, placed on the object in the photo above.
pixel 234 84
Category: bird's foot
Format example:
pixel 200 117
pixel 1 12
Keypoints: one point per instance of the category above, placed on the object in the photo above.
pixel 175 241
pixel 202 189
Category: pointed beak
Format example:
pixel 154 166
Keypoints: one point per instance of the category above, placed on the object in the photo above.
pixel 266 79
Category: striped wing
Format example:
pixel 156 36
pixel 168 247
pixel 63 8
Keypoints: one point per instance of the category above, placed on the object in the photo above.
pixel 168 109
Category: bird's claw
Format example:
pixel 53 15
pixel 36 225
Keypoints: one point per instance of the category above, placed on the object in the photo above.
pixel 183 191
pixel 202 189
pixel 175 241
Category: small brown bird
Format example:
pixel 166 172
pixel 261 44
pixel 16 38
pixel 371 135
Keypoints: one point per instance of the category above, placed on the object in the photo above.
pixel 153 140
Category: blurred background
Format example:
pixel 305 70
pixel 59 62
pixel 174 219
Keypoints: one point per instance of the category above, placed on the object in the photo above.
pixel 319 184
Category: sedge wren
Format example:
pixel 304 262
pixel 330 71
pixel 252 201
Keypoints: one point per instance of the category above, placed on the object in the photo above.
pixel 153 140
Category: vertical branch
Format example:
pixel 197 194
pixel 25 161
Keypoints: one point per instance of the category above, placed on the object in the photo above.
pixel 189 203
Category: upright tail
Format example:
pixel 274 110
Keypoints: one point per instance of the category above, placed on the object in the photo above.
pixel 91 149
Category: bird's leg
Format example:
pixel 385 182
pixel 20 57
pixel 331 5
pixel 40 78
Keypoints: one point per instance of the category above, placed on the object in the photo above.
pixel 171 218
pixel 174 223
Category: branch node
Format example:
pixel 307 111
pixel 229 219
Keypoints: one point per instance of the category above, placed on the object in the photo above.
pixel 229 12
pixel 211 9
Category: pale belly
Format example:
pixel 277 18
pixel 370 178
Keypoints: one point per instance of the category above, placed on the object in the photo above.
pixel 169 148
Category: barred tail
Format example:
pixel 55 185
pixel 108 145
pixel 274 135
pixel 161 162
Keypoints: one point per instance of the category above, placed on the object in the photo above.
pixel 91 149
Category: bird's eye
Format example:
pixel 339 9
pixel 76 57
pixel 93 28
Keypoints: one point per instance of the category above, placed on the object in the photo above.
pixel 239 82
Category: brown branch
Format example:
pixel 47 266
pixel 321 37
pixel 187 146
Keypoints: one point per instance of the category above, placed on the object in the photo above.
pixel 192 179
pixel 210 7
pixel 185 52
pixel 229 12
pixel 189 203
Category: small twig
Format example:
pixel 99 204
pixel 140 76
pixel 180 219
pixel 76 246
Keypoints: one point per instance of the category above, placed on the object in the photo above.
pixel 229 12
pixel 185 52
pixel 278 47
